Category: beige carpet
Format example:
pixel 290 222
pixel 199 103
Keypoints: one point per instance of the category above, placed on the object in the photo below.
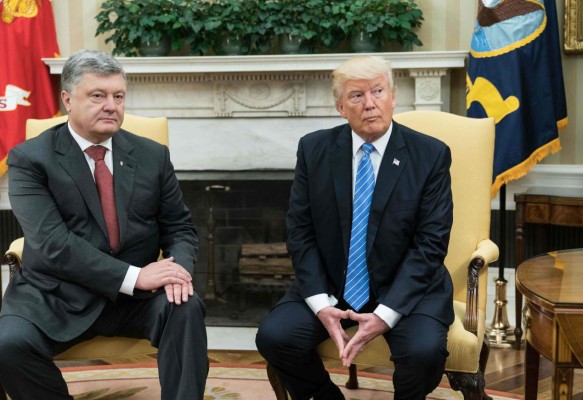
pixel 225 382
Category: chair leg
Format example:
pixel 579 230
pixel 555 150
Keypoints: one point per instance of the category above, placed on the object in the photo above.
pixel 472 386
pixel 352 382
pixel 484 355
pixel 276 384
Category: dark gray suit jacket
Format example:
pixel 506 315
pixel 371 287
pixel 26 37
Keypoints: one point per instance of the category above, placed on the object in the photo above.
pixel 69 273
pixel 409 224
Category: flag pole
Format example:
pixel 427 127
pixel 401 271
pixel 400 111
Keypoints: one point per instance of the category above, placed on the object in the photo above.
pixel 500 333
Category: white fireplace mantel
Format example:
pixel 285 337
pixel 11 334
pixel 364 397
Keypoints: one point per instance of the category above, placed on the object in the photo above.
pixel 229 114
pixel 274 63
pixel 240 117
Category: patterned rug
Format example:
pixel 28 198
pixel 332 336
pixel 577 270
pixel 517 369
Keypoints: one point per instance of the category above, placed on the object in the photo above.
pixel 225 382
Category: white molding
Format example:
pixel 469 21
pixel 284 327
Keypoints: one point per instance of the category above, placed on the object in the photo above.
pixel 274 63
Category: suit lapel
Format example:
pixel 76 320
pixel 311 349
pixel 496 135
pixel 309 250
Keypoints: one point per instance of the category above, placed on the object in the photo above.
pixel 72 159
pixel 393 163
pixel 341 167
pixel 124 170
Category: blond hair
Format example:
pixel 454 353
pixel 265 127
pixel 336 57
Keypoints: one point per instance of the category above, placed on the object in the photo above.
pixel 362 67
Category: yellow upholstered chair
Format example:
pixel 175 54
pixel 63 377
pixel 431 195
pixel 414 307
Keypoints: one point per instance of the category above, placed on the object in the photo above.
pixel 152 128
pixel 470 251
pixel 109 348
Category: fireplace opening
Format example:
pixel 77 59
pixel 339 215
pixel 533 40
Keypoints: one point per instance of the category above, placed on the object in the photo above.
pixel 243 267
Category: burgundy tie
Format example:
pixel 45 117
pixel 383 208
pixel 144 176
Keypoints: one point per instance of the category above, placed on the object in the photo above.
pixel 104 182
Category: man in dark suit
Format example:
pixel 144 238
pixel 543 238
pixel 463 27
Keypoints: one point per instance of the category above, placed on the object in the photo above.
pixel 90 255
pixel 368 229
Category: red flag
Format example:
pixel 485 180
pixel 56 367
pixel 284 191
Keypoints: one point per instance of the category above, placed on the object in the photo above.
pixel 27 34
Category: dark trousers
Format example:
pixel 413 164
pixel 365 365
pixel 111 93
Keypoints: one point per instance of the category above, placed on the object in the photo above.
pixel 288 336
pixel 28 372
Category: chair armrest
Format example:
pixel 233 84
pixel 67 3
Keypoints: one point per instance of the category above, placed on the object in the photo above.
pixel 488 250
pixel 13 256
pixel 485 253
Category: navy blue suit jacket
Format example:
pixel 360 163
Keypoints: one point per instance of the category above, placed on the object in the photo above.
pixel 409 224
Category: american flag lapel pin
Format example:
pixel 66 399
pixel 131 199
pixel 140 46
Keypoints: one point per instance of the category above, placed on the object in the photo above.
pixel 396 162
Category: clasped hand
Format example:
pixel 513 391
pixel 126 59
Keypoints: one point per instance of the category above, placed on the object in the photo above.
pixel 370 326
pixel 175 279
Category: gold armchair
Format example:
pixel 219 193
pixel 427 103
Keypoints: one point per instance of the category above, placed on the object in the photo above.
pixel 109 348
pixel 470 252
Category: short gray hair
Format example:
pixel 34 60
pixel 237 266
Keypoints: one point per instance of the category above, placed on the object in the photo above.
pixel 362 67
pixel 89 61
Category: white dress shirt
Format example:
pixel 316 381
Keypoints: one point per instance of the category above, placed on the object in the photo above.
pixel 319 301
pixel 129 282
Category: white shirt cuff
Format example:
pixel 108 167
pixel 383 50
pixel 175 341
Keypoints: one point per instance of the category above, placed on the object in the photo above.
pixel 390 316
pixel 319 301
pixel 129 282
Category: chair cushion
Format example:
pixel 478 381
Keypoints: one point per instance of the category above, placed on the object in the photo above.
pixel 106 348
pixel 463 346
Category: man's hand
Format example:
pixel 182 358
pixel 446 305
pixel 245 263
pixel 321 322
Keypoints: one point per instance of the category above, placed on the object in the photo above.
pixel 330 318
pixel 179 293
pixel 369 327
pixel 176 280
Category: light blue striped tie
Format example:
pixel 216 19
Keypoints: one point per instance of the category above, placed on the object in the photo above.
pixel 356 289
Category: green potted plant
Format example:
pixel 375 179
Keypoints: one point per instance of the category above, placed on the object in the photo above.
pixel 369 22
pixel 196 29
pixel 237 27
pixel 295 23
pixel 329 33
pixel 145 27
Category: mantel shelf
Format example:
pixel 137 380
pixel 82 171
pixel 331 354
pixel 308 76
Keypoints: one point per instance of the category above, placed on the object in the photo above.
pixel 274 63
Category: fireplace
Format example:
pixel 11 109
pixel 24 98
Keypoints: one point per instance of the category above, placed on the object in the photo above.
pixel 232 214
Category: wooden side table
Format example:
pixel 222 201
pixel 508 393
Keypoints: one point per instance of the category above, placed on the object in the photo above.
pixel 542 205
pixel 551 285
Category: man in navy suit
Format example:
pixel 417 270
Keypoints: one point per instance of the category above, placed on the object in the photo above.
pixel 85 273
pixel 405 291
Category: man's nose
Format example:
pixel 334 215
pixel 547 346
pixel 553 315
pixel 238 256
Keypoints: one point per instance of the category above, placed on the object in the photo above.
pixel 368 101
pixel 109 103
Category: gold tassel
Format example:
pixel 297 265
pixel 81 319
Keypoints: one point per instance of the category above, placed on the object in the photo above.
pixel 3 167
pixel 522 169
pixel 562 124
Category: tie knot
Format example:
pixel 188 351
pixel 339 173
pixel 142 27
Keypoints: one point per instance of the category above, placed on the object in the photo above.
pixel 367 147
pixel 96 152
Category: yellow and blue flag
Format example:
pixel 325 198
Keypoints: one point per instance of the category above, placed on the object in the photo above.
pixel 515 76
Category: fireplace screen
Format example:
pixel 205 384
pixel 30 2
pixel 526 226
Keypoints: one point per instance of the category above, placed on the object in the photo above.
pixel 243 266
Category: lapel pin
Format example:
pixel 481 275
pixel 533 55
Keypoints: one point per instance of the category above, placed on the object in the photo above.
pixel 121 163
pixel 396 162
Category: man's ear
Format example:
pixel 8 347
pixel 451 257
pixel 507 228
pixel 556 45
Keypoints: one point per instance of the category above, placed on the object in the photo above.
pixel 66 99
pixel 340 109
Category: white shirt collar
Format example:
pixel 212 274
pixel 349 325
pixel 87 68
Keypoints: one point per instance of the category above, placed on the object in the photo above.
pixel 84 143
pixel 380 144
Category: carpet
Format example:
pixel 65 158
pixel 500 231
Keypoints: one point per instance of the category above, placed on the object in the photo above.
pixel 225 382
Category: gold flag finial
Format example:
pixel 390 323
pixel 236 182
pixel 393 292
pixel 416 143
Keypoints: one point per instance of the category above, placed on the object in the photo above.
pixel 19 8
